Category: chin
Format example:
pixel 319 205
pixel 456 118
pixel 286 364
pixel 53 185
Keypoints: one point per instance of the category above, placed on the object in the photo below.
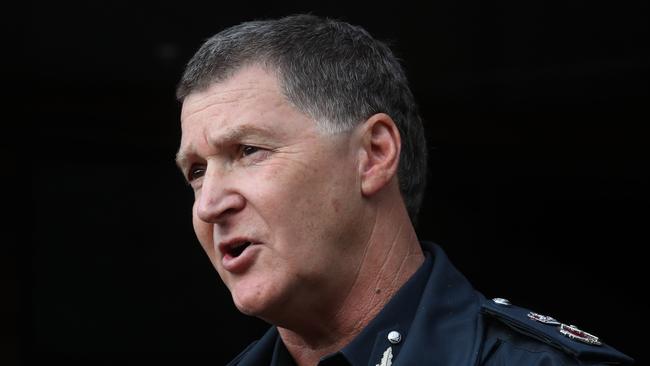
pixel 250 311
pixel 260 304
pixel 246 307
pixel 251 303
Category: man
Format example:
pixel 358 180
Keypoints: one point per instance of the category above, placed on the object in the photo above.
pixel 305 151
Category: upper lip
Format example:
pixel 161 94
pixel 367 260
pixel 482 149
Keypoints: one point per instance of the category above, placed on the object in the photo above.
pixel 226 245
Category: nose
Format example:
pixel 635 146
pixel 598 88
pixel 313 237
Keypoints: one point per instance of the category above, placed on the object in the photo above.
pixel 217 199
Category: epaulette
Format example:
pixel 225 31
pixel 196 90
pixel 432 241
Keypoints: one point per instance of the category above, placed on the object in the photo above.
pixel 567 338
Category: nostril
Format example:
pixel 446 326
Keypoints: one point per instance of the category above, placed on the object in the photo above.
pixel 228 211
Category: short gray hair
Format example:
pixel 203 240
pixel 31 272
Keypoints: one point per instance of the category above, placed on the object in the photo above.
pixel 335 72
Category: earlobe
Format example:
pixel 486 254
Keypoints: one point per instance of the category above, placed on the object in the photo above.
pixel 381 145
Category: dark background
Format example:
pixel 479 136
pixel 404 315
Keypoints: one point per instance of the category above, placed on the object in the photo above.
pixel 535 113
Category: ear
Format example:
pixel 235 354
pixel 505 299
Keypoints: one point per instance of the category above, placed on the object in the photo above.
pixel 380 149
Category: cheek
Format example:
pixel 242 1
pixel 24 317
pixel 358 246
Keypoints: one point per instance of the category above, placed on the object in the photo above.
pixel 336 205
pixel 312 202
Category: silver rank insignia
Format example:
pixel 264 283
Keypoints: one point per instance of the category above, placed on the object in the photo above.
pixel 387 358
pixel 573 332
pixel 543 318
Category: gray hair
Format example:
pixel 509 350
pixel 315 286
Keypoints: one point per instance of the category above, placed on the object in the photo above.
pixel 330 70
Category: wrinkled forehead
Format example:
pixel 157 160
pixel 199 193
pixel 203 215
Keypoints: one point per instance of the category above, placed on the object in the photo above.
pixel 249 86
pixel 249 106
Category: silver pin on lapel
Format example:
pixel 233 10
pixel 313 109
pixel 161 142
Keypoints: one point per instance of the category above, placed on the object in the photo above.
pixel 394 337
pixel 387 358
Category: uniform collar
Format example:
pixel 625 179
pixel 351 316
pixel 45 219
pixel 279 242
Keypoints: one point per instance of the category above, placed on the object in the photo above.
pixel 368 347
pixel 446 329
pixel 397 315
pixel 436 313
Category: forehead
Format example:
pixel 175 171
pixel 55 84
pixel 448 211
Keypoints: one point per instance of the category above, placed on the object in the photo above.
pixel 248 86
pixel 249 100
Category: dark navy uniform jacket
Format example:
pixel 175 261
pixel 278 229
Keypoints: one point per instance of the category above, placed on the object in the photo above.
pixel 441 320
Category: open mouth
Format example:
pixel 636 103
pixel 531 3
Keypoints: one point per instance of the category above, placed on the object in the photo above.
pixel 237 249
pixel 236 257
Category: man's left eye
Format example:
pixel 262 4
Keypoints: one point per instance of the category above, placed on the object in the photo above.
pixel 248 150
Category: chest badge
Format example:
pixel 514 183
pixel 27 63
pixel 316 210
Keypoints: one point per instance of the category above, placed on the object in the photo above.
pixel 573 332
pixel 387 358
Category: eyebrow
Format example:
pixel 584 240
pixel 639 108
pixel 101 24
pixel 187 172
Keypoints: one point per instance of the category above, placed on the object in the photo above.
pixel 233 134
pixel 182 159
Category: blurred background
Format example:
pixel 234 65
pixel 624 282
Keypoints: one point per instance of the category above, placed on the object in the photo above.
pixel 535 114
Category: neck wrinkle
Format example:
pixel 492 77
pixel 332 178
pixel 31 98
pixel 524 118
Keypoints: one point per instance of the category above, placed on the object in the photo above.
pixel 383 268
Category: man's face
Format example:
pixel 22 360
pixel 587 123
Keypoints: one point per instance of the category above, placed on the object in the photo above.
pixel 277 203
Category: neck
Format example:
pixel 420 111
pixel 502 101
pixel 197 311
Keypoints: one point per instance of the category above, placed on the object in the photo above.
pixel 392 254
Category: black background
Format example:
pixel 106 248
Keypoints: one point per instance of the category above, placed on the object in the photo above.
pixel 535 114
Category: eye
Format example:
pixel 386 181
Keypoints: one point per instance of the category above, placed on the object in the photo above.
pixel 248 150
pixel 195 172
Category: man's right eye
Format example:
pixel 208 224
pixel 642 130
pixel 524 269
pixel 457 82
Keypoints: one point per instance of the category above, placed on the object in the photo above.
pixel 195 172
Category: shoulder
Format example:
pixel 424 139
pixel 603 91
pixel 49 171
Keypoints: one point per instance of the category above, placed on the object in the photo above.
pixel 516 336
